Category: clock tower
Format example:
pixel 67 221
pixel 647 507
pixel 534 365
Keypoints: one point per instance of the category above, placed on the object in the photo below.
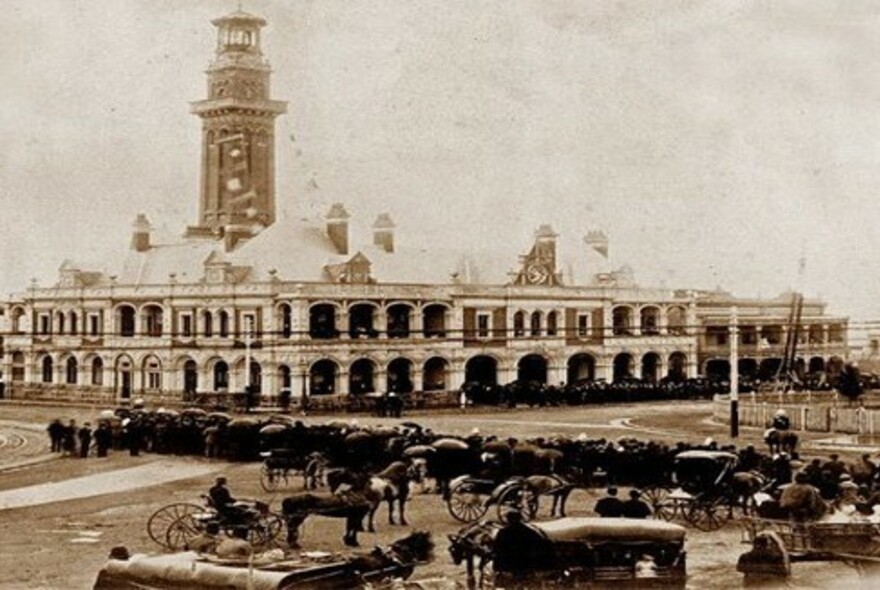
pixel 238 132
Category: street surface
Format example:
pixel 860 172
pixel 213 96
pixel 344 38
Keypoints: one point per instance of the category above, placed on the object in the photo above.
pixel 60 517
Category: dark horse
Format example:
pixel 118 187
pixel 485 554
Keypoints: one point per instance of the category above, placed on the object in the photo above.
pixel 390 485
pixel 351 506
pixel 473 543
pixel 780 441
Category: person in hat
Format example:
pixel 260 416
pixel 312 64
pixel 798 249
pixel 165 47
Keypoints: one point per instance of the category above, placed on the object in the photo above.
pixel 635 507
pixel 519 548
pixel 802 501
pixel 610 506
pixel 223 501
pixel 781 420
pixel 85 439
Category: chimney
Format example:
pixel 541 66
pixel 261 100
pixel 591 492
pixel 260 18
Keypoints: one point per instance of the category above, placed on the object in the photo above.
pixel 337 227
pixel 598 241
pixel 140 237
pixel 383 232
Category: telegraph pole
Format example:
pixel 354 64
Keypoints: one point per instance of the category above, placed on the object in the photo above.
pixel 734 372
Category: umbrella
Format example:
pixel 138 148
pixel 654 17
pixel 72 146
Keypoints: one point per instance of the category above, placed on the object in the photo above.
pixel 273 429
pixel 219 416
pixel 412 425
pixel 243 422
pixel 496 446
pixel 107 414
pixel 419 451
pixel 194 412
pixel 281 419
pixel 449 444
pixel 357 436
pixel 338 424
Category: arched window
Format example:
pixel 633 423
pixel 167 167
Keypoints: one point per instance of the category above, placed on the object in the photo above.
pixel 207 324
pixel 126 323
pixel 223 318
pixel 152 318
pixel 60 322
pixel 519 324
pixel 70 371
pixel 73 321
pixel 552 322
pixel 285 321
pixel 535 323
pixel 97 371
pixel 47 369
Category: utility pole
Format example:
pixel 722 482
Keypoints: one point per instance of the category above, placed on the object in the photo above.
pixel 734 372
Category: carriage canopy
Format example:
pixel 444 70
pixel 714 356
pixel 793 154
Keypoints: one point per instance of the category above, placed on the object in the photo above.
pixel 617 530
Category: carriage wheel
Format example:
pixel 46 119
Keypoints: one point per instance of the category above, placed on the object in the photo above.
pixel 465 504
pixel 182 532
pixel 264 531
pixel 661 504
pixel 521 499
pixel 164 518
pixel 707 515
pixel 270 478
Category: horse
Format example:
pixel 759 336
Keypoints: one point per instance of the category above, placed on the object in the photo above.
pixel 474 542
pixel 353 507
pixel 780 441
pixel 400 558
pixel 389 485
pixel 744 487
pixel 554 486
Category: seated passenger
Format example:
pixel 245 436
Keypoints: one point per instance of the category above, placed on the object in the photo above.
pixel 610 506
pixel 802 501
pixel 635 507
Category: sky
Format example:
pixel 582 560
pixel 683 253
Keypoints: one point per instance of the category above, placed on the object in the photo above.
pixel 717 143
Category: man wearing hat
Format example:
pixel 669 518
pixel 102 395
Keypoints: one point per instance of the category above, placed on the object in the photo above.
pixel 635 507
pixel 223 501
pixel 781 420
pixel 802 500
pixel 610 506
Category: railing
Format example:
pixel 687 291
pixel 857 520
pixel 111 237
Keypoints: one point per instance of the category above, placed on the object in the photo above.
pixel 824 413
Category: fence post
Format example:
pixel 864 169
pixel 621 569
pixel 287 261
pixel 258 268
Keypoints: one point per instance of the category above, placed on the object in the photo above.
pixel 804 411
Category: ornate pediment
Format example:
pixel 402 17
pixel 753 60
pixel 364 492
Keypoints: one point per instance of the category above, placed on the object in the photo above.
pixel 538 267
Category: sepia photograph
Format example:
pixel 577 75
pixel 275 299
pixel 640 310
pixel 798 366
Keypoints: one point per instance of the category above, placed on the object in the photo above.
pixel 439 294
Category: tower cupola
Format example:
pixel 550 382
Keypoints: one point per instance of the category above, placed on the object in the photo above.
pixel 238 130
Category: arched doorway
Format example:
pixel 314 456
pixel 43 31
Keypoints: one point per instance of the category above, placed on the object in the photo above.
pixel 124 379
pixel 322 377
pixel 322 322
pixel 400 376
pixel 768 368
pixel 624 366
pixel 622 320
pixel 677 371
pixel 581 367
pixel 126 321
pixel 361 377
pixel 651 367
pixel 361 321
pixel 284 377
pixel 481 369
pixel 399 320
pixel 190 378
pixel 748 368
pixel 649 319
pixel 434 321
pixel 434 374
pixel 221 376
pixel 718 369
pixel 532 367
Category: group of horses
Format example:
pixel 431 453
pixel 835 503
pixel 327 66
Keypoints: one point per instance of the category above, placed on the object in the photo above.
pixel 366 467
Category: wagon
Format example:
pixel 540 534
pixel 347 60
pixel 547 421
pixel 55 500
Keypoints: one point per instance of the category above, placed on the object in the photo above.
pixel 788 541
pixel 700 493
pixel 594 552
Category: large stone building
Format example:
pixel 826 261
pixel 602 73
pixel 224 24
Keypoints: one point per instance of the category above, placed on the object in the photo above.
pixel 247 297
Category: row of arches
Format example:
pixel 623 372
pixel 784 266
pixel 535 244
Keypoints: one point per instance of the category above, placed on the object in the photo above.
pixel 365 320
pixel 651 320
pixel 327 376
pixel 767 368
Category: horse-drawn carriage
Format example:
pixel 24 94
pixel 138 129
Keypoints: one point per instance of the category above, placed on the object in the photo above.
pixel 783 542
pixel 470 498
pixel 281 465
pixel 176 525
pixel 594 552
pixel 705 492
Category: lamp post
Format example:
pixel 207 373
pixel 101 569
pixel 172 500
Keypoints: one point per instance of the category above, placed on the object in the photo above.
pixel 734 373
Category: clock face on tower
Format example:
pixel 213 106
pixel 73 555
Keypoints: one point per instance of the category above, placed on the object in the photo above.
pixel 536 274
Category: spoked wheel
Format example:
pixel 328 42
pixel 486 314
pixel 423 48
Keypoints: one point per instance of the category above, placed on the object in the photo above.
pixel 265 530
pixel 164 518
pixel 465 503
pixel 183 531
pixel 271 479
pixel 662 505
pixel 707 514
pixel 521 499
